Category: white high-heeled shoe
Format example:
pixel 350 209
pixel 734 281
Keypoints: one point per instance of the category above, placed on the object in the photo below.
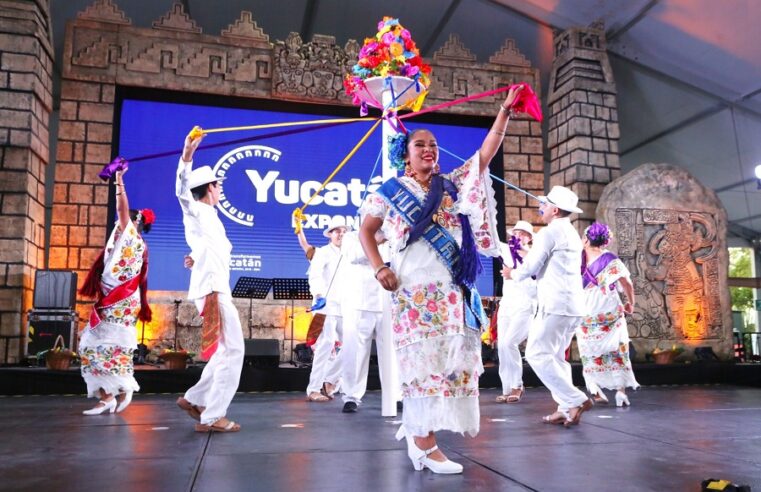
pixel 622 400
pixel 125 402
pixel 420 457
pixel 108 406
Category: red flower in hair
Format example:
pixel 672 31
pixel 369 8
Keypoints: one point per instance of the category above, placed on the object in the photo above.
pixel 148 216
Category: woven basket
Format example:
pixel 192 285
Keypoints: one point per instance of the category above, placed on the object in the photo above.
pixel 59 357
pixel 666 357
pixel 175 360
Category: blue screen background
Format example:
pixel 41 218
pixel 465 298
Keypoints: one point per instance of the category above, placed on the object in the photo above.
pixel 269 247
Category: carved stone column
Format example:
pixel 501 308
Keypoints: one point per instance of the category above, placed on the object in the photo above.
pixel 583 126
pixel 26 62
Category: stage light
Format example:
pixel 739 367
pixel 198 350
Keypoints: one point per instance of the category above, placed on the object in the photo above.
pixel 758 171
pixel 301 321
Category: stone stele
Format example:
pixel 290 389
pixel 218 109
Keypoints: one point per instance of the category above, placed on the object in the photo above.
pixel 670 231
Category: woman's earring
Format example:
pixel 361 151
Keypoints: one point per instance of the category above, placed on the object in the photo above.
pixel 436 168
pixel 408 170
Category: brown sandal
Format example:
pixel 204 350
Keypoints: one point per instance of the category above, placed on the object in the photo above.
pixel 317 397
pixel 229 427
pixel 600 398
pixel 189 408
pixel 515 398
pixel 556 418
pixel 574 420
pixel 325 392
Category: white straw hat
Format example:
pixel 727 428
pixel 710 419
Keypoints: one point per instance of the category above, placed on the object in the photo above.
pixel 522 225
pixel 563 198
pixel 201 176
pixel 335 223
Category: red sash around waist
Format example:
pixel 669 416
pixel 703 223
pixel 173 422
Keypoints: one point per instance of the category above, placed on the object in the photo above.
pixel 117 294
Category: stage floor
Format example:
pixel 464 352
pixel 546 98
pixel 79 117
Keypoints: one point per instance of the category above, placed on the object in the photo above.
pixel 670 439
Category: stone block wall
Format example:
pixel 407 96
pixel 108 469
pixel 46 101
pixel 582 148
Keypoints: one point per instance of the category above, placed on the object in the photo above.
pixel 78 223
pixel 583 126
pixel 26 64
pixel 104 51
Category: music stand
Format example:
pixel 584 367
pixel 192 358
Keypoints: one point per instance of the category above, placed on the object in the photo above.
pixel 291 288
pixel 252 288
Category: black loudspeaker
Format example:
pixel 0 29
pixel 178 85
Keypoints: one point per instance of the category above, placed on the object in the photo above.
pixel 262 352
pixel 44 328
pixel 705 354
pixel 55 289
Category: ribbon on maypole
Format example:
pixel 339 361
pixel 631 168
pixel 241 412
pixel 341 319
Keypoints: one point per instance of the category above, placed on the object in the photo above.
pixel 298 214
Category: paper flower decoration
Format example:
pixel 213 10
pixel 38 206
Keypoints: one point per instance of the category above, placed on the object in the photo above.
pixel 391 52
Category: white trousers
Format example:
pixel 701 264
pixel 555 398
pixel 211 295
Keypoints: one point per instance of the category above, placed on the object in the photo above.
pixel 359 328
pixel 548 338
pixel 512 330
pixel 326 364
pixel 220 378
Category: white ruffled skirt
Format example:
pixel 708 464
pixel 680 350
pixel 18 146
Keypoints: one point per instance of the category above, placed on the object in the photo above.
pixel 106 352
pixel 439 360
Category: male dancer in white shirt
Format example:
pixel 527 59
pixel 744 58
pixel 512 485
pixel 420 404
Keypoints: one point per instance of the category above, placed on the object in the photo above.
pixel 516 310
pixel 555 259
pixel 198 192
pixel 325 281
pixel 362 308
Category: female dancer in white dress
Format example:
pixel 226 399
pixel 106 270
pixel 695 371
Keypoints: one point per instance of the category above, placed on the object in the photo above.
pixel 118 279
pixel 435 225
pixel 602 336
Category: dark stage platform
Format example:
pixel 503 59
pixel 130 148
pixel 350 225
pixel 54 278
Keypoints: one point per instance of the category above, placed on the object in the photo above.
pixel 669 440
pixel 155 379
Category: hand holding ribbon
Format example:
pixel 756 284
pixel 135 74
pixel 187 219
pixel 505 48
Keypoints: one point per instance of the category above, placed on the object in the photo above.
pixel 319 303
pixel 118 164
pixel 514 243
pixel 298 219
pixel 527 102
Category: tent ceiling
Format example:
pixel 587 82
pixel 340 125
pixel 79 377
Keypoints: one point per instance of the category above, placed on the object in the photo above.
pixel 688 71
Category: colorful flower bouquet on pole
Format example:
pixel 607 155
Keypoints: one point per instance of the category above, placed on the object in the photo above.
pixel 389 60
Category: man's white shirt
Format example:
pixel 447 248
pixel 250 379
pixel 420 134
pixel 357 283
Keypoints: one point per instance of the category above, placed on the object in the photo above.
pixel 555 259
pixel 325 278
pixel 362 290
pixel 207 239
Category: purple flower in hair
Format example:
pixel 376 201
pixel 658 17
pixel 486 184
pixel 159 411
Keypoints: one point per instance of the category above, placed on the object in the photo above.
pixel 598 234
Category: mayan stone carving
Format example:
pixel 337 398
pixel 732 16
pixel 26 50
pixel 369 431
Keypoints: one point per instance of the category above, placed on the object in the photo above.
pixel 312 71
pixel 670 231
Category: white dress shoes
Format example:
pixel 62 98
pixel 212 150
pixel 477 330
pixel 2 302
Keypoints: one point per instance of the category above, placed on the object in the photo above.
pixel 125 402
pixel 108 406
pixel 420 457
pixel 622 400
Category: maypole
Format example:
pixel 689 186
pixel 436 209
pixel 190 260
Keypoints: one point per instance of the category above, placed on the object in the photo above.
pixel 389 75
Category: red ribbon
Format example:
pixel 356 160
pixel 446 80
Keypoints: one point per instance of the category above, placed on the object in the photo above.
pixel 526 102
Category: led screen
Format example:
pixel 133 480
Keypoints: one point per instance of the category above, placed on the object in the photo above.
pixel 269 174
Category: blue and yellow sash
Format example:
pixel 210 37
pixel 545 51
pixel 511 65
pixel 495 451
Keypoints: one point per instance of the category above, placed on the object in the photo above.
pixel 406 204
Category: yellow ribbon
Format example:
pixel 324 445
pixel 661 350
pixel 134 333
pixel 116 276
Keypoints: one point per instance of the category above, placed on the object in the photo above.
pixel 298 214
pixel 197 131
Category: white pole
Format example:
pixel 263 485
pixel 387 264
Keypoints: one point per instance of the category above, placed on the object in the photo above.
pixel 388 131
pixel 387 356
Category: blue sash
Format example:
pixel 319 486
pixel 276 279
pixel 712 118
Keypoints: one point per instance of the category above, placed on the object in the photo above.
pixel 406 204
